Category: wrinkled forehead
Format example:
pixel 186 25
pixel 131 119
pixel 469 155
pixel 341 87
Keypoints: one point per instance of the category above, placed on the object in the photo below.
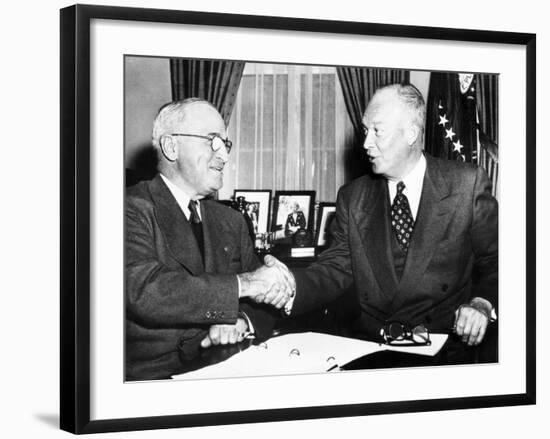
pixel 201 118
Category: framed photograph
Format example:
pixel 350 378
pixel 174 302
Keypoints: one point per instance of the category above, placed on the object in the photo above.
pixel 106 52
pixel 258 204
pixel 292 210
pixel 326 215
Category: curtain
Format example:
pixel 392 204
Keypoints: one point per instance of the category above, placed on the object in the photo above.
pixel 215 81
pixel 487 110
pixel 487 105
pixel 290 131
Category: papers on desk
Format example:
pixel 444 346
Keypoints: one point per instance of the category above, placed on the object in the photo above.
pixel 306 352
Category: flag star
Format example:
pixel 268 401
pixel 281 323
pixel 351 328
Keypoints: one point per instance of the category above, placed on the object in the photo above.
pixel 450 133
pixel 443 120
pixel 458 146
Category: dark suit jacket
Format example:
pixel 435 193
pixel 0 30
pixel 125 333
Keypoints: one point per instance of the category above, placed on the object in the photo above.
pixel 453 255
pixel 171 297
pixel 291 222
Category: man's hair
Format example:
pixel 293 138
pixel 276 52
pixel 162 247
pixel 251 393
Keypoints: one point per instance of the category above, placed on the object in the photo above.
pixel 411 97
pixel 171 115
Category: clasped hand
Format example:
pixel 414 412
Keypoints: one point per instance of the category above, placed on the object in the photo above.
pixel 225 334
pixel 272 283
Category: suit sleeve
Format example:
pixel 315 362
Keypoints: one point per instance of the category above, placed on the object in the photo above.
pixel 161 296
pixel 484 238
pixel 331 275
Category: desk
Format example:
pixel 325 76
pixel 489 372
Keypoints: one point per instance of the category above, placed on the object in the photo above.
pixel 311 352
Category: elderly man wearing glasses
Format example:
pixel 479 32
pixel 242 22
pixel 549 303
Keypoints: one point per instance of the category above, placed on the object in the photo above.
pixel 184 252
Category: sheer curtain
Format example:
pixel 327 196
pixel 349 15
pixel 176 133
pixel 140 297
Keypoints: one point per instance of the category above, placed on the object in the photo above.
pixel 291 131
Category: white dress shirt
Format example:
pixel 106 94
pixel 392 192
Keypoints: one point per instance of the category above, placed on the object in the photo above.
pixel 182 198
pixel 413 185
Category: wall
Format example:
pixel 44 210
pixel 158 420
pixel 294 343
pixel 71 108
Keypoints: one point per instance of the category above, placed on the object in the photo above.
pixel 422 81
pixel 147 82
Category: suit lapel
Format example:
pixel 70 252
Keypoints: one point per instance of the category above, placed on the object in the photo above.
pixel 372 218
pixel 175 227
pixel 434 213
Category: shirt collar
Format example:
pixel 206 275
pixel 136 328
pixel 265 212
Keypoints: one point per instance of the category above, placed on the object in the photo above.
pixel 415 178
pixel 181 197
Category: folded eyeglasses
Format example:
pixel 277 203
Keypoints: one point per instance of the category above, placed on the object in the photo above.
pixel 399 334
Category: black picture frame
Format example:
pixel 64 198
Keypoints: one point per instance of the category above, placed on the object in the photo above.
pixel 305 200
pixel 323 223
pixel 263 199
pixel 76 210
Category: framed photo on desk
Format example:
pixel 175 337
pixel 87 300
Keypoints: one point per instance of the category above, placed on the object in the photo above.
pixel 292 210
pixel 326 216
pixel 260 207
pixel 95 41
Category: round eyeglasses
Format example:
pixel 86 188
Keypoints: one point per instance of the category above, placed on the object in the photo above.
pixel 397 333
pixel 214 140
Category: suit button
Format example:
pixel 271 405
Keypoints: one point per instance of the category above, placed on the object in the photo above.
pixel 208 314
pixel 444 287
pixel 428 319
pixel 221 314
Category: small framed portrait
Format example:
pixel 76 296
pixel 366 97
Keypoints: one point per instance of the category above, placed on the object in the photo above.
pixel 258 207
pixel 292 210
pixel 327 212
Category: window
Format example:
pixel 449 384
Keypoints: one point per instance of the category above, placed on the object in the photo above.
pixel 291 131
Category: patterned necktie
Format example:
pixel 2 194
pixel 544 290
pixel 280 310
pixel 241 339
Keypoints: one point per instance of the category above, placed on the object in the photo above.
pixel 196 225
pixel 401 218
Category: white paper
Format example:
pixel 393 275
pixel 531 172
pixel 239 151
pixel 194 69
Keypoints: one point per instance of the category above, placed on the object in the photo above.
pixel 307 352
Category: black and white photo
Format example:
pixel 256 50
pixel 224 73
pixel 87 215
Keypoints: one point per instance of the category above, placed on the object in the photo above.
pixel 292 211
pixel 326 216
pixel 258 207
pixel 400 266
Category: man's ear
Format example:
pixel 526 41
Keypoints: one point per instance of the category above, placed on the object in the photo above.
pixel 412 134
pixel 168 147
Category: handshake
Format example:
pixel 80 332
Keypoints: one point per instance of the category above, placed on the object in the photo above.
pixel 272 284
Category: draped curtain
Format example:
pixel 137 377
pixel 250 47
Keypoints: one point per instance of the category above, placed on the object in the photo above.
pixel 487 105
pixel 290 131
pixel 487 110
pixel 216 81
